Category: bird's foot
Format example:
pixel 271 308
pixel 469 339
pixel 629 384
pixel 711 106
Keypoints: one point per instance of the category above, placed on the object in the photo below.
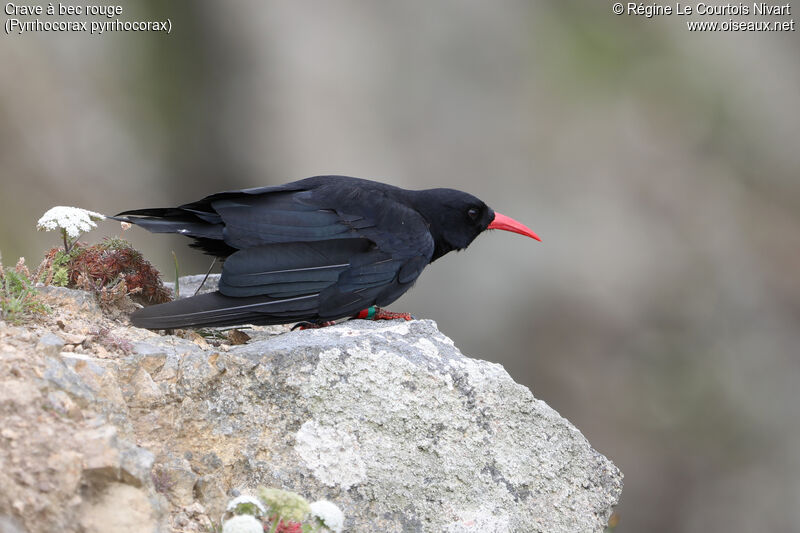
pixel 313 325
pixel 376 313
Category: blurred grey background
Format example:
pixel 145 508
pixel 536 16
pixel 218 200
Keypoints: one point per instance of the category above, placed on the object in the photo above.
pixel 661 314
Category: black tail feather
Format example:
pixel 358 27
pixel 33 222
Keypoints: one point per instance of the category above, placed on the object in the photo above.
pixel 207 233
pixel 215 310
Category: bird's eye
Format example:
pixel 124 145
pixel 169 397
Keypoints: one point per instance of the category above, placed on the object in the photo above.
pixel 473 213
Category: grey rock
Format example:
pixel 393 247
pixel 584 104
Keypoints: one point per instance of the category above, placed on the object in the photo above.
pixel 210 493
pixel 178 481
pixel 146 349
pixel 60 402
pixel 108 458
pixel 64 378
pixel 120 508
pixel 50 344
pixel 150 356
pixel 9 525
pixel 391 422
pixel 17 393
pixel 136 464
pixel 84 301
pixel 386 419
pixel 190 284
pixel 143 390
pixel 158 357
pixel 89 382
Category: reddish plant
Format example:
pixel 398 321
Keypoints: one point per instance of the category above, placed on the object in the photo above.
pixel 287 527
pixel 113 264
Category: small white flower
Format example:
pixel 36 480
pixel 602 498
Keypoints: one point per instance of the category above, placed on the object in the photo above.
pixel 248 500
pixel 329 514
pixel 243 523
pixel 73 220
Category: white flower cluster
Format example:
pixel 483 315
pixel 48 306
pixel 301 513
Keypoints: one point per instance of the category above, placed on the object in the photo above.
pixel 243 512
pixel 72 220
pixel 245 500
pixel 329 514
pixel 243 523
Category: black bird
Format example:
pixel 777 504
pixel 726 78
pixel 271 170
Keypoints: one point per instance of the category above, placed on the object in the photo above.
pixel 314 250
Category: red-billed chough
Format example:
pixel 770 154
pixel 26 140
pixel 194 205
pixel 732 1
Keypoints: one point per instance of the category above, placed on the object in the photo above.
pixel 314 250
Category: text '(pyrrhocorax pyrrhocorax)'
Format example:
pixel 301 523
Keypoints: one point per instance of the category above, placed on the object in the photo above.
pixel 314 250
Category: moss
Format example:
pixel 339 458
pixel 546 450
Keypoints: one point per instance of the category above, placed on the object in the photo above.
pixel 18 300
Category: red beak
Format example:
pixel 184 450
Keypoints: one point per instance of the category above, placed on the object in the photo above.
pixel 509 224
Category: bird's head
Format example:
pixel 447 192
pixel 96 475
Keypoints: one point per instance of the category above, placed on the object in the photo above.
pixel 455 218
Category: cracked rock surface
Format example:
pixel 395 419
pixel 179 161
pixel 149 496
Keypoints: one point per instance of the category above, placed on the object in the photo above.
pixel 104 422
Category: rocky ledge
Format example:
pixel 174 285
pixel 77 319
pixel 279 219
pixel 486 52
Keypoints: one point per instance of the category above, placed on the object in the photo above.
pixel 109 428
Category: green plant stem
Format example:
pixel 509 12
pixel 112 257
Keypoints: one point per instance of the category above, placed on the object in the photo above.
pixel 177 277
pixel 69 245
pixel 274 527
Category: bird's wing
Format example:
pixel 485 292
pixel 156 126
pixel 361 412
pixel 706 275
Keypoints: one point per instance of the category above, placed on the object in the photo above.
pixel 286 270
pixel 351 256
pixel 279 217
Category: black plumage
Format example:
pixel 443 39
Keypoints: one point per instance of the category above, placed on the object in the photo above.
pixel 313 250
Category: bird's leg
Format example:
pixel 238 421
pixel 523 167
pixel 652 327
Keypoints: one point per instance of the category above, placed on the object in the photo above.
pixel 376 313
pixel 208 272
pixel 313 325
pixel 371 313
